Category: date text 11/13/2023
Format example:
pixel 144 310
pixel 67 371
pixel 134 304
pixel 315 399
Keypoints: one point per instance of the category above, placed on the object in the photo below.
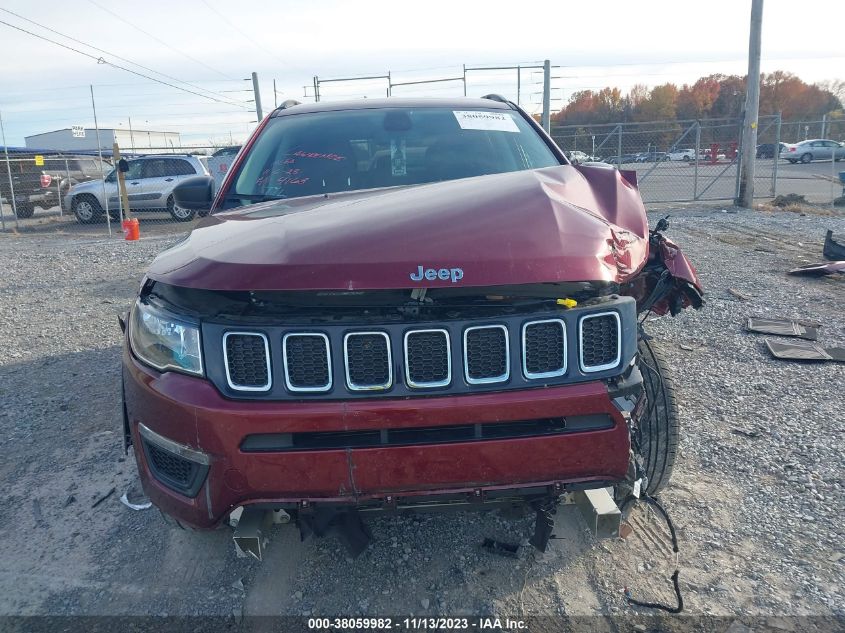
pixel 417 624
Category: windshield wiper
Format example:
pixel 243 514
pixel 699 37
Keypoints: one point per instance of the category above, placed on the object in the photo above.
pixel 254 197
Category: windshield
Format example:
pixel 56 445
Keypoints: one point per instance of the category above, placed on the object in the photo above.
pixel 328 152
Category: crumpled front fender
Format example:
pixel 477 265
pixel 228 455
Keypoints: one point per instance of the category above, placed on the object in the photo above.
pixel 668 283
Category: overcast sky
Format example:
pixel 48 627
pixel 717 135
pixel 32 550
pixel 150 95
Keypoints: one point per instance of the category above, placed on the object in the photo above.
pixel 214 44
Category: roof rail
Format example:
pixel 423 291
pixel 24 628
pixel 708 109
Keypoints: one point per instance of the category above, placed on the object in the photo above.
pixel 289 104
pixel 495 97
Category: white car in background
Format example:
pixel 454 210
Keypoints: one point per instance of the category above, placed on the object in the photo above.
pixel 681 154
pixel 149 186
pixel 813 149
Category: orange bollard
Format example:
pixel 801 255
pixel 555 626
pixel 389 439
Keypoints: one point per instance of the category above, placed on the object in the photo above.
pixel 131 229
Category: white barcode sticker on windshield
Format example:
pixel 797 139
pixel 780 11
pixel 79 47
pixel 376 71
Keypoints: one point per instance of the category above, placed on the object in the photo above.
pixel 485 120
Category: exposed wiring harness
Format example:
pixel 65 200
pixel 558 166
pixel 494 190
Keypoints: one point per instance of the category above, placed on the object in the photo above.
pixel 657 605
pixel 652 501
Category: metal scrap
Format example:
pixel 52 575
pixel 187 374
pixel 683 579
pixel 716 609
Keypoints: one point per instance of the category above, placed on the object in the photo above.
pixel 804 351
pixel 819 269
pixel 834 247
pixel 781 327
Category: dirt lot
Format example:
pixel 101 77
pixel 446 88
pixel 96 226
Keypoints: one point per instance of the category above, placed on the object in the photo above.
pixel 758 493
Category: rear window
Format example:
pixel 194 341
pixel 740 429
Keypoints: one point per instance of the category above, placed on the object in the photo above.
pixel 327 152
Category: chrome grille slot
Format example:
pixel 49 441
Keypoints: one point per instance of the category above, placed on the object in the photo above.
pixel 428 359
pixel 246 356
pixel 369 365
pixel 307 362
pixel 486 354
pixel 600 341
pixel 544 349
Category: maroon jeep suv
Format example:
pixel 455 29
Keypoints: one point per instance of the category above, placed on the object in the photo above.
pixel 397 304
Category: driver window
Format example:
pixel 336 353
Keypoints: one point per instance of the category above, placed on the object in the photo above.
pixel 134 172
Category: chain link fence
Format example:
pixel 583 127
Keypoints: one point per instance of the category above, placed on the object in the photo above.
pixel 675 161
pixel 687 161
pixel 78 190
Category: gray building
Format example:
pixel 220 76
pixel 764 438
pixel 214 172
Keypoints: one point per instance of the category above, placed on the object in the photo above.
pixel 78 138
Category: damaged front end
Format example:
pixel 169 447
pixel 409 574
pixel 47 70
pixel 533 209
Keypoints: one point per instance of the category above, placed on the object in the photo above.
pixel 668 282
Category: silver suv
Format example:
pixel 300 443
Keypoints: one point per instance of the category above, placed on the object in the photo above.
pixel 149 186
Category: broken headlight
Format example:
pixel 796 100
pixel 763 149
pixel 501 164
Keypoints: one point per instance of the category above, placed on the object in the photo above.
pixel 164 341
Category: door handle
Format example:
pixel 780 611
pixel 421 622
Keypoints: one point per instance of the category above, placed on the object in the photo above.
pixel 168 180
pixel 134 183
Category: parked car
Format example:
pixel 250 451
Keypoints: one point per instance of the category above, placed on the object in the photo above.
pixel 681 154
pixel 815 149
pixel 651 157
pixel 769 150
pixel 621 160
pixel 577 157
pixel 42 186
pixel 230 151
pixel 149 184
pixel 707 153
pixel 423 311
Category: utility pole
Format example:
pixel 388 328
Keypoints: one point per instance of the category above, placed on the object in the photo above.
pixel 257 92
pixel 100 153
pixel 275 95
pixel 547 95
pixel 745 197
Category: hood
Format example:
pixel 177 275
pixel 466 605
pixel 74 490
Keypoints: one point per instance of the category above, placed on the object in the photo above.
pixel 554 224
pixel 88 185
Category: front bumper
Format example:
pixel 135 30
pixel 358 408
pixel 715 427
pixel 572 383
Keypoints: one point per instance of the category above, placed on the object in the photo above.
pixel 191 413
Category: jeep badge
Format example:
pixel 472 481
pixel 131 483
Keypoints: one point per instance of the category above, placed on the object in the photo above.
pixel 455 274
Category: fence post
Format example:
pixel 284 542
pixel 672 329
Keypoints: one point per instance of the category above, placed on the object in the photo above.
pixel 777 155
pixel 619 147
pixel 100 153
pixel 697 150
pixel 11 184
pixel 833 179
pixel 547 91
pixel 738 159
pixel 59 193
pixel 67 172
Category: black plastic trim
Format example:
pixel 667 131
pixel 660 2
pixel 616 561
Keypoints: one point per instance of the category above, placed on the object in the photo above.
pixel 195 482
pixel 418 436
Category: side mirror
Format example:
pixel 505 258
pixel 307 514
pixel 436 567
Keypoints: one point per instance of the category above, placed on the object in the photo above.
pixel 195 193
pixel 122 165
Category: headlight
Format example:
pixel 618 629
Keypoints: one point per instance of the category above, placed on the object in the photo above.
pixel 163 341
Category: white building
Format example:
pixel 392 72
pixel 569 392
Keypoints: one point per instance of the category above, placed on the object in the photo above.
pixel 78 138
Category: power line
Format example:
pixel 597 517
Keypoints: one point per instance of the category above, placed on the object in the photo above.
pixel 101 60
pixel 91 46
pixel 234 26
pixel 160 41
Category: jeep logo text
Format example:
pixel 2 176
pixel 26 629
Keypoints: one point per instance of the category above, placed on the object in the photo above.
pixel 431 274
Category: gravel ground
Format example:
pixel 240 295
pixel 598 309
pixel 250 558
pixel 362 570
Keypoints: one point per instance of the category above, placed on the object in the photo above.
pixel 757 495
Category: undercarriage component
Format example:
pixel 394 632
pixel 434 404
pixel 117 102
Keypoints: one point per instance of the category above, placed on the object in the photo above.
pixel 253 531
pixel 599 511
pixel 543 527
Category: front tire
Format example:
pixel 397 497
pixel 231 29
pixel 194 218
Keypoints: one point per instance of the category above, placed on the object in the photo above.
pixel 178 213
pixel 658 426
pixel 806 158
pixel 87 209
